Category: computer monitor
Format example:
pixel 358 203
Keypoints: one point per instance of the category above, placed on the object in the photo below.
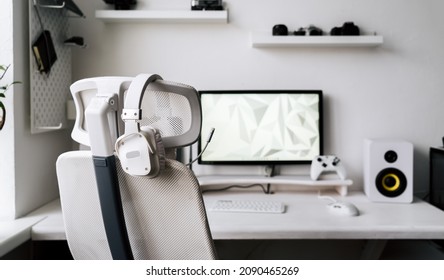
pixel 261 127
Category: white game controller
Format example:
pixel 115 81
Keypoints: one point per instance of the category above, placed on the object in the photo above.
pixel 321 164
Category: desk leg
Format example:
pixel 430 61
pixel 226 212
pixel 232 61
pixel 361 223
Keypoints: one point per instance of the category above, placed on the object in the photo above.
pixel 373 249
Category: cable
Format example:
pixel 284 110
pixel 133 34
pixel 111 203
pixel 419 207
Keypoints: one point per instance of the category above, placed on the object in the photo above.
pixel 210 135
pixel 38 16
pixel 326 197
pixel 236 186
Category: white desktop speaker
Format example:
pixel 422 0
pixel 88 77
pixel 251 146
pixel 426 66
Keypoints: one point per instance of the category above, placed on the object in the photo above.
pixel 388 170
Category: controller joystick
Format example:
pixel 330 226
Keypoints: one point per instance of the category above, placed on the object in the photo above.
pixel 329 163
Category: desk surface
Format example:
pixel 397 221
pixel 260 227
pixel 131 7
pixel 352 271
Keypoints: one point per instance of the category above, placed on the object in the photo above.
pixel 307 217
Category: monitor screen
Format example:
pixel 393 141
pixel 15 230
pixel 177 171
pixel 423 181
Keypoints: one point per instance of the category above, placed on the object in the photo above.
pixel 261 127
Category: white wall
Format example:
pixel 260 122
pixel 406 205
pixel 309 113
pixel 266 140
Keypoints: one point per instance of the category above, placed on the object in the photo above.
pixel 391 91
pixel 7 133
pixel 27 162
pixel 36 154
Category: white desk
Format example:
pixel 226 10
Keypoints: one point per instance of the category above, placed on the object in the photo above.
pixel 14 233
pixel 306 217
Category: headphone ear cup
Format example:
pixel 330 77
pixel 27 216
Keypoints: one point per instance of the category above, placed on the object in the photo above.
pixel 142 153
pixel 159 147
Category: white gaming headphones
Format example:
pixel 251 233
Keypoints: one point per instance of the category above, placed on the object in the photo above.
pixel 141 150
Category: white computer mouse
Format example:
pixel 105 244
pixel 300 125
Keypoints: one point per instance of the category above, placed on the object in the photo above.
pixel 343 208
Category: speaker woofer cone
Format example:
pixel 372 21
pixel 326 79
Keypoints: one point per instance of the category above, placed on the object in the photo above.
pixel 391 182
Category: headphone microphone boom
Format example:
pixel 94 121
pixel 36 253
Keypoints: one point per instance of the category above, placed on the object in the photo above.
pixel 210 136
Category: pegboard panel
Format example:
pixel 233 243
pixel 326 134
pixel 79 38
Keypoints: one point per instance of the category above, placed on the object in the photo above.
pixel 49 92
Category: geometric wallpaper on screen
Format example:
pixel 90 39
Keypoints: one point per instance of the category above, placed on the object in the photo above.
pixel 261 126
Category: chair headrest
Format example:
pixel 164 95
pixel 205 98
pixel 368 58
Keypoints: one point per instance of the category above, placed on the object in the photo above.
pixel 84 91
pixel 157 115
pixel 173 109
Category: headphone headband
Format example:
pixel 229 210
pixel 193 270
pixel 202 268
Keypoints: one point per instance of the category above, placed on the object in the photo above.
pixel 132 111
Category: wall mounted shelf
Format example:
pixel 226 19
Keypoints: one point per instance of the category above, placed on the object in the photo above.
pixel 163 16
pixel 266 40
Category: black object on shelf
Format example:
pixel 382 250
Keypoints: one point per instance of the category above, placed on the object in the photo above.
pixel 300 32
pixel 71 6
pixel 208 5
pixel 121 4
pixel 347 29
pixel 315 31
pixel 44 52
pixel 75 41
pixel 310 30
pixel 280 30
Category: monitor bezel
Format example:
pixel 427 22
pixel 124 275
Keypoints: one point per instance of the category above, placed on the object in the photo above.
pixel 265 162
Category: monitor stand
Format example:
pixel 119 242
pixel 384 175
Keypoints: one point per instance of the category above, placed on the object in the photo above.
pixel 302 183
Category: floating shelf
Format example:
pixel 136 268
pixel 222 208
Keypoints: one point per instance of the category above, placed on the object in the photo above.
pixel 163 16
pixel 265 40
pixel 300 182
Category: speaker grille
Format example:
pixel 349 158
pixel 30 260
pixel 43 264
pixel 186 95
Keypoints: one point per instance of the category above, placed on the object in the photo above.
pixel 391 182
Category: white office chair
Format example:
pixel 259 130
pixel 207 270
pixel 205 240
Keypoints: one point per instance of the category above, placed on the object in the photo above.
pixel 132 206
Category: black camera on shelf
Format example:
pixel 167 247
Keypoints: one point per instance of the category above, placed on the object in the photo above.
pixel 347 29
pixel 314 31
pixel 300 32
pixel 280 30
pixel 121 4
pixel 208 5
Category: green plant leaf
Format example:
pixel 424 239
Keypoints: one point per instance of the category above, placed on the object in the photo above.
pixel 4 69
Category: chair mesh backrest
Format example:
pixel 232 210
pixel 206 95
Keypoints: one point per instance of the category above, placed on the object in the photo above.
pixel 165 216
pixel 169 113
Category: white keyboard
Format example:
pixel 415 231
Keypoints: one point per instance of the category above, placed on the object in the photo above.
pixel 253 206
